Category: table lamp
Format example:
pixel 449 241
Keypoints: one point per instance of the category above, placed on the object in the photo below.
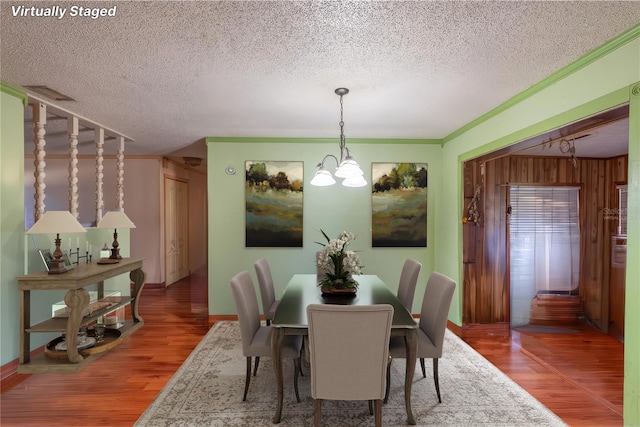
pixel 57 222
pixel 115 220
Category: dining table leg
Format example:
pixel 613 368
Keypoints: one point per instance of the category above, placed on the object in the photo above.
pixel 277 338
pixel 411 343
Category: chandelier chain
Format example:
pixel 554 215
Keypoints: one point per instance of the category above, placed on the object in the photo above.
pixel 341 123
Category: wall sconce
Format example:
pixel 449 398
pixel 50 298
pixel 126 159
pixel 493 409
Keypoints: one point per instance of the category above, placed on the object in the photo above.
pixel 347 167
pixel 57 222
pixel 115 220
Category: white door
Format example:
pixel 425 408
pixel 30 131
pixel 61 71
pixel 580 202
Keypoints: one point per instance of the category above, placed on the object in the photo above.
pixel 176 230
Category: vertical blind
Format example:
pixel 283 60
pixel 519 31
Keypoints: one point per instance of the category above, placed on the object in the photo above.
pixel 622 209
pixel 544 238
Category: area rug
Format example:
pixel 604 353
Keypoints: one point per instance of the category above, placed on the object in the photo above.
pixel 207 391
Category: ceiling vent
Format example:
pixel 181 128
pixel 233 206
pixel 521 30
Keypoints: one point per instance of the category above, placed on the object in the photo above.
pixel 49 93
pixel 192 161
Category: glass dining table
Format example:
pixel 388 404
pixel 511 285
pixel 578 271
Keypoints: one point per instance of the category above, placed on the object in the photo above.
pixel 291 319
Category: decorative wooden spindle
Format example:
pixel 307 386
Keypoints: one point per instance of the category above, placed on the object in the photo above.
pixel 120 177
pixel 73 128
pixel 99 140
pixel 39 122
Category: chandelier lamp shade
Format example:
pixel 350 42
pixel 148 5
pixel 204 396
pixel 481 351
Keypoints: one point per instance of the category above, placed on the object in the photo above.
pixel 57 222
pixel 347 167
pixel 115 220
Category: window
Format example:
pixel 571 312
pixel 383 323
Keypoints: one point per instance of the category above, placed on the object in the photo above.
pixel 545 237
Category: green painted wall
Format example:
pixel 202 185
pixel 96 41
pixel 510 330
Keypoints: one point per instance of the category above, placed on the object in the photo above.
pixel 595 87
pixel 632 297
pixel 12 239
pixel 333 209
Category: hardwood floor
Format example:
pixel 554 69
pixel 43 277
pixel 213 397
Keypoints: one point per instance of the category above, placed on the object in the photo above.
pixel 577 375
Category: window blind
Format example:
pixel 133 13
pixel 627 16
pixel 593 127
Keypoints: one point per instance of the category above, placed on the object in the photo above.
pixel 622 209
pixel 544 209
pixel 544 239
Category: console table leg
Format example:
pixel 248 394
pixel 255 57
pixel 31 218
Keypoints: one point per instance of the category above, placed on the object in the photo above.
pixel 77 300
pixel 138 277
pixel 25 322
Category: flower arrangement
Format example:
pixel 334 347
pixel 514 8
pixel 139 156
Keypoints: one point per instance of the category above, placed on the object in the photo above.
pixel 338 263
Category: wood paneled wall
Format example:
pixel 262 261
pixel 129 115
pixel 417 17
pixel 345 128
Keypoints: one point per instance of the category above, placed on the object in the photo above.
pixel 485 245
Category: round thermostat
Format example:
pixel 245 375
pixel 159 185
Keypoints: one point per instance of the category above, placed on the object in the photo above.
pixel 230 170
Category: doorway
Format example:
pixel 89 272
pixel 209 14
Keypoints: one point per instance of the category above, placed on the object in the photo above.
pixel 176 229
pixel 596 161
pixel 544 254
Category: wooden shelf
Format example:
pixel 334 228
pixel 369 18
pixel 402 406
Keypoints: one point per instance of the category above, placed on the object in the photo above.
pixel 59 324
pixel 43 364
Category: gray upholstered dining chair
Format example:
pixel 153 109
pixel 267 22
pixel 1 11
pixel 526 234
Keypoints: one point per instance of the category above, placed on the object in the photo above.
pixel 349 353
pixel 407 284
pixel 432 327
pixel 267 291
pixel 256 338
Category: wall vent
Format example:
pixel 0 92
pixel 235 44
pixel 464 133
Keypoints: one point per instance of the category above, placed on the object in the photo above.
pixel 49 93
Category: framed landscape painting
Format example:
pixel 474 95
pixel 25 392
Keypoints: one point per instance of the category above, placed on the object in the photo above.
pixel 273 194
pixel 399 205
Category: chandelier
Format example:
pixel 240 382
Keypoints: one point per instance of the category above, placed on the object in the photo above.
pixel 347 167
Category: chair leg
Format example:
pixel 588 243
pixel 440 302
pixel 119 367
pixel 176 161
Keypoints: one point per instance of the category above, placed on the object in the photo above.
pixel 435 378
pixel 424 372
pixel 296 369
pixel 371 407
pixel 317 405
pixel 255 368
pixel 300 364
pixel 247 379
pixel 378 405
pixel 386 393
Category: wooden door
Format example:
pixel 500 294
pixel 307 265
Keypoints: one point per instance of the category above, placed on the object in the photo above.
pixel 176 230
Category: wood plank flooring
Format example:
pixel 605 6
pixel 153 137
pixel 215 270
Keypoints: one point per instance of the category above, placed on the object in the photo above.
pixel 579 375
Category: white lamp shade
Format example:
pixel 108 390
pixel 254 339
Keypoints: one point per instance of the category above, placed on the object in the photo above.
pixel 354 181
pixel 348 168
pixel 115 219
pixel 322 178
pixel 57 222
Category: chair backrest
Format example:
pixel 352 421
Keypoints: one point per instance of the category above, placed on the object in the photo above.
pixel 349 350
pixel 407 284
pixel 246 300
pixel 435 308
pixel 265 281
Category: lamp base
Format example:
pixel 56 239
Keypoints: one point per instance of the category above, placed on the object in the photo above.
pixel 115 254
pixel 57 267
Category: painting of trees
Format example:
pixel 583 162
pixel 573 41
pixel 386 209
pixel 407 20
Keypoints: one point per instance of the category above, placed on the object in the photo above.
pixel 399 205
pixel 273 194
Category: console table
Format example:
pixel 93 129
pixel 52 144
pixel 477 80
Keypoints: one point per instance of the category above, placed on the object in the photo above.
pixel 77 299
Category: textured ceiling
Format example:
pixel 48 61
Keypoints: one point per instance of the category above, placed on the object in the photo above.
pixel 168 74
